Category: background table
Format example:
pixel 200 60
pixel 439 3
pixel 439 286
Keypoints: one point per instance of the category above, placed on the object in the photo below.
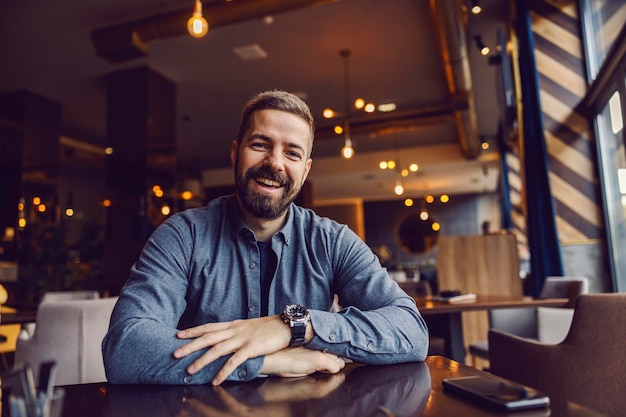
pixel 446 319
pixel 410 389
pixel 12 316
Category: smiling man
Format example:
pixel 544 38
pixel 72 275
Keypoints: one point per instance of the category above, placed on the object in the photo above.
pixel 244 286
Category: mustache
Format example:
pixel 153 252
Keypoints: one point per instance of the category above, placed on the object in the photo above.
pixel 265 172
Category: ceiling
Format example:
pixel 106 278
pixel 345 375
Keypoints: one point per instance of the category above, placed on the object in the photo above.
pixel 46 48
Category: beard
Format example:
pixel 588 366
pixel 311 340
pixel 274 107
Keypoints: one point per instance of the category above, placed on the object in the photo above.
pixel 261 205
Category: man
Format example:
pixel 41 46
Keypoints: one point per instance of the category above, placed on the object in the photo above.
pixel 205 302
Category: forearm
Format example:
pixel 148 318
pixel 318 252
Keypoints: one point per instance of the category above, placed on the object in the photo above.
pixel 390 334
pixel 140 351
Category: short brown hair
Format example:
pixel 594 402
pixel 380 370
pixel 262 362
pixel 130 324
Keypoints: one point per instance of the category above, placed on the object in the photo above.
pixel 276 100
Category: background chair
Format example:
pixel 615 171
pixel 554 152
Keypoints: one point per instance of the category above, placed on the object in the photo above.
pixel 588 367
pixel 524 322
pixel 69 332
pixel 70 295
pixel 28 329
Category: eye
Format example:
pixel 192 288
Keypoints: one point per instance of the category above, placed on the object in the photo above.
pixel 294 155
pixel 259 145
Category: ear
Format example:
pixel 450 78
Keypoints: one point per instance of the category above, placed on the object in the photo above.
pixel 307 168
pixel 234 148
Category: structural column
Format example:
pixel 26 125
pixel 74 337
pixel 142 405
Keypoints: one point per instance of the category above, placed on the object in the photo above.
pixel 141 118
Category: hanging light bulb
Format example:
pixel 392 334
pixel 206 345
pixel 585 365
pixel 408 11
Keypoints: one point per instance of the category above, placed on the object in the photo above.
pixel 197 24
pixel 347 151
pixel 398 189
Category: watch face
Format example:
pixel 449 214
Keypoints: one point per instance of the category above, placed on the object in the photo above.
pixel 295 312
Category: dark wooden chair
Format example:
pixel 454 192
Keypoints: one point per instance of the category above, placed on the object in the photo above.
pixel 588 367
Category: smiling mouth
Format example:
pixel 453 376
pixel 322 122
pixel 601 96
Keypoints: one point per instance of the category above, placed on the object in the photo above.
pixel 268 183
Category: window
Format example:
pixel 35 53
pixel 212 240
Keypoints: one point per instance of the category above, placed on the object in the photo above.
pixel 610 131
pixel 602 22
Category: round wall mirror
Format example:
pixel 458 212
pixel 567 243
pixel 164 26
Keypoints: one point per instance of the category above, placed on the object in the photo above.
pixel 416 235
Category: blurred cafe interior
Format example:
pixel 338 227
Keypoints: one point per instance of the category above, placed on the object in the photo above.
pixel 443 130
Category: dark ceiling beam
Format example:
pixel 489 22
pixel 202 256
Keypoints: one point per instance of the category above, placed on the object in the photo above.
pixel 450 17
pixel 385 122
pixel 129 40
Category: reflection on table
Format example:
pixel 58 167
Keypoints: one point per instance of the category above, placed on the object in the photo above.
pixel 401 390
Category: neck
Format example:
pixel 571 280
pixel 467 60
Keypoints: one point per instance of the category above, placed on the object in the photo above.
pixel 263 229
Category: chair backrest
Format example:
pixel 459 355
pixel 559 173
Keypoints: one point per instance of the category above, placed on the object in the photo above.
pixel 565 287
pixel 69 332
pixel 70 295
pixel 524 321
pixel 588 367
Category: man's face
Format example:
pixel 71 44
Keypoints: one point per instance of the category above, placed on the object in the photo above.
pixel 271 163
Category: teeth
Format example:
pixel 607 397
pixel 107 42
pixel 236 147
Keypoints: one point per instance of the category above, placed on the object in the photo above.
pixel 268 182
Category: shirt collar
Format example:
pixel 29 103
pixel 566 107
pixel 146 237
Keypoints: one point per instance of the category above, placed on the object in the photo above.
pixel 238 223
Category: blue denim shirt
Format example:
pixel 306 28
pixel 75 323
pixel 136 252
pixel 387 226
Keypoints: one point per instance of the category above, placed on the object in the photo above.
pixel 202 265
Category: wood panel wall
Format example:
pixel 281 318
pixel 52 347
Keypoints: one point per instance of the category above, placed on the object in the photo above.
pixel 486 264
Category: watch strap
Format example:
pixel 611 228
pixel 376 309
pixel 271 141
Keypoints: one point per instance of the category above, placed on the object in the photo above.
pixel 298 330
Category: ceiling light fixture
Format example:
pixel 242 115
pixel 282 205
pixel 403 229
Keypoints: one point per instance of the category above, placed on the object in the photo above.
pixel 476 8
pixel 484 49
pixel 348 150
pixel 197 24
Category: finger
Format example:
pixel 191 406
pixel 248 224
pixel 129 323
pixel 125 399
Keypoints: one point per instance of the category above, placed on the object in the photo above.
pixel 230 366
pixel 334 364
pixel 217 351
pixel 202 342
pixel 198 331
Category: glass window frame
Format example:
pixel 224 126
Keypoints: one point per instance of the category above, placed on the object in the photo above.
pixel 610 76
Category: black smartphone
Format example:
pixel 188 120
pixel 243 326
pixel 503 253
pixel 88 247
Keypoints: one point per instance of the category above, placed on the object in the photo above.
pixel 496 393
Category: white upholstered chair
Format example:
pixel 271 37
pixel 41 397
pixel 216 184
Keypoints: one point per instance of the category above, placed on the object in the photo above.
pixel 69 332
pixel 70 295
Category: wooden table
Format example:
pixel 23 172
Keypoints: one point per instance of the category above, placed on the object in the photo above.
pixel 10 315
pixel 411 389
pixel 446 320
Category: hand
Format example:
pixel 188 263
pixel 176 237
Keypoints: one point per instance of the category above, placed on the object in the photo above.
pixel 300 361
pixel 245 339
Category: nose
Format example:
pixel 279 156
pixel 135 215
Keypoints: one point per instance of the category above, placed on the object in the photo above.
pixel 275 160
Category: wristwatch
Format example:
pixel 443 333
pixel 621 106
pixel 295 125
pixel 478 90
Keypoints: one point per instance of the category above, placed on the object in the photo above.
pixel 296 316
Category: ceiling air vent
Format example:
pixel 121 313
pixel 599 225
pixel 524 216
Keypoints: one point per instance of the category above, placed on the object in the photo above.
pixel 250 52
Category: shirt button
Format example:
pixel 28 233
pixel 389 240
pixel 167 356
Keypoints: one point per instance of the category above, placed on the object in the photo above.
pixel 242 373
pixel 251 308
pixel 331 336
pixel 325 351
pixel 252 265
pixel 370 346
pixel 187 380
